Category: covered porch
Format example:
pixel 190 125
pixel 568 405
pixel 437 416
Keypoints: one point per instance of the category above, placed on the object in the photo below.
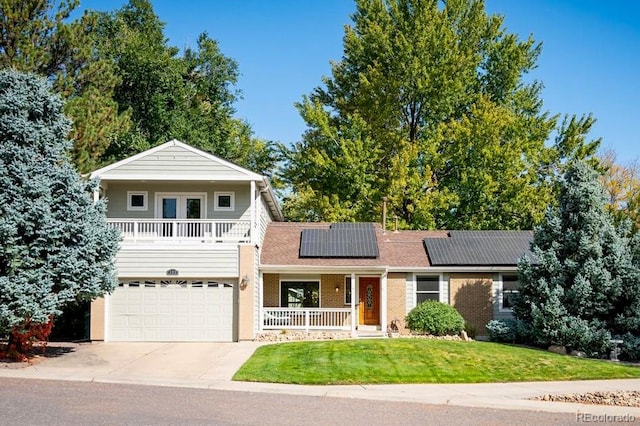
pixel 349 301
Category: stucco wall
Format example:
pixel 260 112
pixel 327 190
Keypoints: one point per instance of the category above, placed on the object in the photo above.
pixel 471 295
pixel 245 295
pixel 96 331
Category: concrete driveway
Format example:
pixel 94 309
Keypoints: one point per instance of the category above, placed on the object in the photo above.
pixel 154 363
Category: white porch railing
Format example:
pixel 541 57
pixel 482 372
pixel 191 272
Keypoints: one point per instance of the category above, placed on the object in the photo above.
pixel 184 229
pixel 306 319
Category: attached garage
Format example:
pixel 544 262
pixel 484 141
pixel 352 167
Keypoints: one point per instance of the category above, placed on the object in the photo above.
pixel 157 310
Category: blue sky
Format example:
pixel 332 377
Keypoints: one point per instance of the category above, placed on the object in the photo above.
pixel 590 60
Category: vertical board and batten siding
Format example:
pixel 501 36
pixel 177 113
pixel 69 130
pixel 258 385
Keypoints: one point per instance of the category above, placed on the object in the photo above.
pixel 154 262
pixel 175 161
pixel 116 194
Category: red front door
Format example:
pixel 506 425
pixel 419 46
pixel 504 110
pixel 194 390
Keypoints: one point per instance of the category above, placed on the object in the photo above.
pixel 370 300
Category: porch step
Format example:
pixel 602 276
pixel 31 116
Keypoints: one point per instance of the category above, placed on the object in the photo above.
pixel 371 335
pixel 370 332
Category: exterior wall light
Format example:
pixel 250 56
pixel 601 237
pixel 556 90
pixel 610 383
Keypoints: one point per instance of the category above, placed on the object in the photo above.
pixel 244 282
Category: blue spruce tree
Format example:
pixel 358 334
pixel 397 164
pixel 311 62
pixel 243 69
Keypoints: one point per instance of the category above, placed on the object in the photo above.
pixel 584 285
pixel 55 245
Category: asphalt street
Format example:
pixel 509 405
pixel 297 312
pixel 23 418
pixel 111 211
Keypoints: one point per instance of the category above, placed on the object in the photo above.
pixel 38 402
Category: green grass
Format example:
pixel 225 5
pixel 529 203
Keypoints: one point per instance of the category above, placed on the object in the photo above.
pixel 418 361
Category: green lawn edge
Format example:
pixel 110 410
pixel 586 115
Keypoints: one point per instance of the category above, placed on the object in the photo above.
pixel 418 361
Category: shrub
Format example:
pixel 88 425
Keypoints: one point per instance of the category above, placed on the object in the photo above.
pixel 470 330
pixel 502 330
pixel 432 317
pixel 630 347
pixel 509 331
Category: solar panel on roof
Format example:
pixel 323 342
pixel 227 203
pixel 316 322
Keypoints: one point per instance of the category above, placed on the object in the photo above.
pixel 341 240
pixel 479 248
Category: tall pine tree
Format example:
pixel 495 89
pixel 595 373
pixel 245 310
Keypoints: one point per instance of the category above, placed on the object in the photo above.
pixel 55 245
pixel 584 286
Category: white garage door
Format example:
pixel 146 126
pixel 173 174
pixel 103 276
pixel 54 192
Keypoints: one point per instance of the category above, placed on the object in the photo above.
pixel 172 311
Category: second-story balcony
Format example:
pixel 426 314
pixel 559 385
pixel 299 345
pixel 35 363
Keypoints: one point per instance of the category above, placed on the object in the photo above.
pixel 197 230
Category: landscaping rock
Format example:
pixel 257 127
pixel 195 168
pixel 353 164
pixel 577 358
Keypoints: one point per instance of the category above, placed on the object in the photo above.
pixel 619 398
pixel 562 350
pixel 291 336
pixel 579 354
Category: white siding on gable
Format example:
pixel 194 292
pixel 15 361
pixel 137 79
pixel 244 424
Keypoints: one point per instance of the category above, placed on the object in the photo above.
pixel 175 163
pixel 263 220
pixel 154 262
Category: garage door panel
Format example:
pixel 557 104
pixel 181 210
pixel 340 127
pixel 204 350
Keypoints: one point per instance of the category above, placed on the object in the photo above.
pixel 172 310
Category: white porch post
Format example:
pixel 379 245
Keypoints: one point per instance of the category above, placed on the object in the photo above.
pixel 353 304
pixel 260 302
pixel 383 303
pixel 254 221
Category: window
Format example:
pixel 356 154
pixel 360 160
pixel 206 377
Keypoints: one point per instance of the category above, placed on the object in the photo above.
pixel 347 290
pixel 427 288
pixel 137 200
pixel 224 201
pixel 509 289
pixel 300 294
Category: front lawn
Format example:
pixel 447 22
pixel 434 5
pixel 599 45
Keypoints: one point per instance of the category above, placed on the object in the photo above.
pixel 418 361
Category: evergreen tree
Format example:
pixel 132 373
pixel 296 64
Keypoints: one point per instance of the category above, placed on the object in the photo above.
pixel 38 36
pixel 55 245
pixel 584 286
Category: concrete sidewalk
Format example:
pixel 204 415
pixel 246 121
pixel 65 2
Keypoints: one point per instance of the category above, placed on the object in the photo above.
pixel 211 366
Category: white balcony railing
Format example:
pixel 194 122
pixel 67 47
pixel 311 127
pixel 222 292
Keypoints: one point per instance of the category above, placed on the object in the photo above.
pixel 306 319
pixel 224 231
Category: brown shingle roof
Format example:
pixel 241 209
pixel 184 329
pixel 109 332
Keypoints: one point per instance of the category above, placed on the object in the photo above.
pixel 397 249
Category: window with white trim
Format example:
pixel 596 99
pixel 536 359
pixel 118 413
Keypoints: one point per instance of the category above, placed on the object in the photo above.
pixel 508 288
pixel 427 288
pixel 347 290
pixel 225 201
pixel 300 294
pixel 137 200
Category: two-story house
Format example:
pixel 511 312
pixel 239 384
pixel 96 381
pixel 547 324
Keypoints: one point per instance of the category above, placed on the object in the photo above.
pixel 192 225
pixel 203 258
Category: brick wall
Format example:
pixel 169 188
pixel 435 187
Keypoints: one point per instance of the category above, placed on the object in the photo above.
pixel 331 298
pixel 271 289
pixel 328 283
pixel 396 300
pixel 471 295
